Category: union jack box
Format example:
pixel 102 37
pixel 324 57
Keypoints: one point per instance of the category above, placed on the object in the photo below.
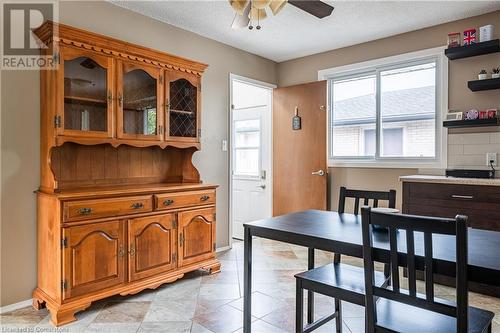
pixel 469 37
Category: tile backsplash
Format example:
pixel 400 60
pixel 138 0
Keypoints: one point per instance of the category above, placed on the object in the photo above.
pixel 468 150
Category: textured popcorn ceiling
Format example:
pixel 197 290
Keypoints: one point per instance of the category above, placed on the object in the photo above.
pixel 294 33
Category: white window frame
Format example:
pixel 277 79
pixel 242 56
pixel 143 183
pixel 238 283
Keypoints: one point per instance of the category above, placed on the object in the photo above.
pixel 259 147
pixel 375 66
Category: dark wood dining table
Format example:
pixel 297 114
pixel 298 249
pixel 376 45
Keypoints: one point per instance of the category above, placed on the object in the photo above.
pixel 341 233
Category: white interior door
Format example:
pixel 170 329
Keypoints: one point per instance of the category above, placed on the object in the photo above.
pixel 251 117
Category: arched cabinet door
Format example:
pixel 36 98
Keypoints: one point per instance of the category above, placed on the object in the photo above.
pixel 151 247
pixel 196 235
pixel 85 98
pixel 182 106
pixel 140 100
pixel 93 257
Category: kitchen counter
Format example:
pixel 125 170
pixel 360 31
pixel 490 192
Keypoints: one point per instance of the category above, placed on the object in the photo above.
pixel 450 180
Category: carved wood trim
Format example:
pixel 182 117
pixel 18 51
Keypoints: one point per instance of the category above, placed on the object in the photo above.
pixel 51 32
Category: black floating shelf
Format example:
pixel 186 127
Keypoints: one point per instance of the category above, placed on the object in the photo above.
pixel 488 84
pixel 471 123
pixel 460 52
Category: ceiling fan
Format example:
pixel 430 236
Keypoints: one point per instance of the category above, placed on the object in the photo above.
pixel 248 11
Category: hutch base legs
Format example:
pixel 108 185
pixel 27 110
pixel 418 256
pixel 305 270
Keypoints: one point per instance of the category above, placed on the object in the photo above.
pixel 212 268
pixel 62 313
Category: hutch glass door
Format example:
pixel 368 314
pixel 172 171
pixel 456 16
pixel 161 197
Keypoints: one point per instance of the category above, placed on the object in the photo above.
pixel 182 107
pixel 139 102
pixel 86 104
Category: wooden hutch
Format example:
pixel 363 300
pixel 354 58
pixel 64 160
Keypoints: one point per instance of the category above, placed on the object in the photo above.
pixel 121 207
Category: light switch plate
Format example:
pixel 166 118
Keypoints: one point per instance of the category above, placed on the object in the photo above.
pixel 224 145
pixel 491 157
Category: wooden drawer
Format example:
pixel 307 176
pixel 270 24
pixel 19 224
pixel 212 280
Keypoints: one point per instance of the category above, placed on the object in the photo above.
pixel 480 203
pixel 456 193
pixel 91 209
pixel 184 199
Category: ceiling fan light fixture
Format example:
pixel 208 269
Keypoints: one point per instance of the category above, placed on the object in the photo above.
pixel 257 14
pixel 239 5
pixel 277 5
pixel 260 4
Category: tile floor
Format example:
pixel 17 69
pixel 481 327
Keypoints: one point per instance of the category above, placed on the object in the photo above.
pixel 213 303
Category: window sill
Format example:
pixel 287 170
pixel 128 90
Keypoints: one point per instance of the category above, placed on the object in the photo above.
pixel 387 164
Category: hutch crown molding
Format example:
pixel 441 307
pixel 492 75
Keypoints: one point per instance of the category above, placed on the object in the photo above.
pixel 121 207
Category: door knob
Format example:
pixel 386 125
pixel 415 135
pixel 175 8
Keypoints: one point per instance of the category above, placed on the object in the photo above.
pixel 319 173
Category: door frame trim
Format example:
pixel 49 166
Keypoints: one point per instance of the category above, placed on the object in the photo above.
pixel 262 84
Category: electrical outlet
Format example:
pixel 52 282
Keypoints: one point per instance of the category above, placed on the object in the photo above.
pixel 491 159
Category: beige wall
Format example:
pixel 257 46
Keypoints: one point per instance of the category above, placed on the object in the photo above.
pixel 460 97
pixel 20 127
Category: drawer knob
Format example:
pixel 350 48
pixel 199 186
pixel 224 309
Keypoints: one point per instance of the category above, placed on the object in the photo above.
pixel 132 251
pixel 204 198
pixel 137 205
pixel 121 252
pixel 168 202
pixel 85 211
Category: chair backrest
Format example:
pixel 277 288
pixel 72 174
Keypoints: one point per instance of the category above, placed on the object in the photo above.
pixel 406 226
pixel 366 196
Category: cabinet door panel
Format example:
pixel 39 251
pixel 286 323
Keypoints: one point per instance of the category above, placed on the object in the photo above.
pixel 182 98
pixel 152 246
pixel 196 235
pixel 140 96
pixel 93 258
pixel 85 100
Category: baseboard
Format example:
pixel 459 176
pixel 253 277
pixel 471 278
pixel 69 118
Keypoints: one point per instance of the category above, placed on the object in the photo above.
pixel 16 306
pixel 222 249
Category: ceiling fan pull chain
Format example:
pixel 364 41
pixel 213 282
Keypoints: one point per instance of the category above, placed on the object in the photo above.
pixel 250 26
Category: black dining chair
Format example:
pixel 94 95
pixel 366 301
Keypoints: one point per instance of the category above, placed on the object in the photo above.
pixel 400 310
pixel 342 282
pixel 366 196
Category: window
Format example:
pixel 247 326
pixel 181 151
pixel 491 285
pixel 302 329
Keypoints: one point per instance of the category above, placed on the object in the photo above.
pixel 393 141
pixel 386 112
pixel 247 148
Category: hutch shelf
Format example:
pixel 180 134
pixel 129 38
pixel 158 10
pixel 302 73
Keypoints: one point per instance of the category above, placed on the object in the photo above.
pixel 121 207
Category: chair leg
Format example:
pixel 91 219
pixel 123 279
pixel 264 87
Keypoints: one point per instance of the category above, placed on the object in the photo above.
pixel 336 258
pixel 489 328
pixel 299 307
pixel 338 320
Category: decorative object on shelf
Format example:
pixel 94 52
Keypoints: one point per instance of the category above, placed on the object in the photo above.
pixel 454 39
pixel 483 75
pixel 488 114
pixel 469 37
pixel 495 73
pixel 492 113
pixel 296 120
pixel 471 114
pixel 486 33
pixel 455 115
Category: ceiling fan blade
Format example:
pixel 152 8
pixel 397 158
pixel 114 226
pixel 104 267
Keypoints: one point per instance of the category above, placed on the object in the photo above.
pixel 313 7
pixel 241 21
